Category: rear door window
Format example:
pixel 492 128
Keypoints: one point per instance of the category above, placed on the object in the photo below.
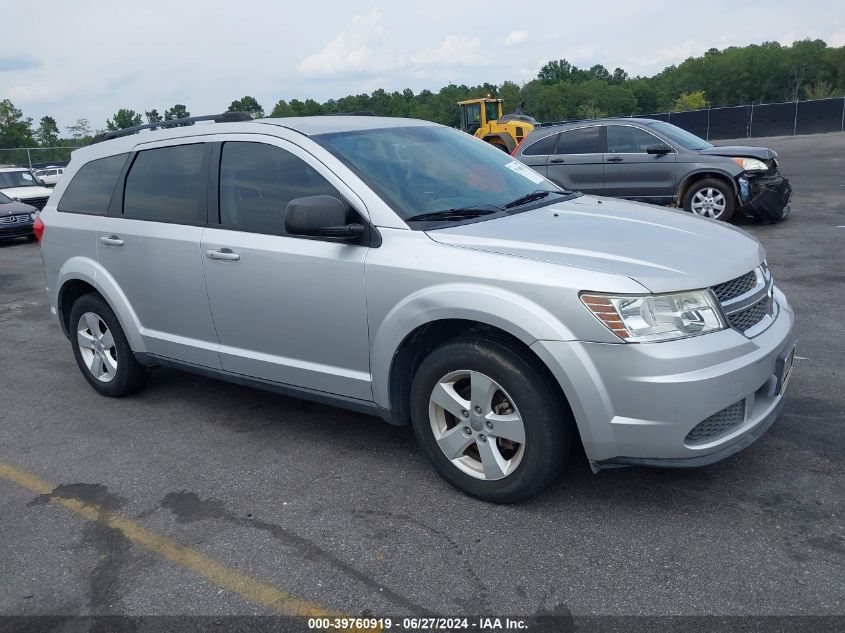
pixel 543 147
pixel 585 140
pixel 167 184
pixel 91 189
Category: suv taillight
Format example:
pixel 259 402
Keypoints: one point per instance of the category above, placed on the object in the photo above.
pixel 38 228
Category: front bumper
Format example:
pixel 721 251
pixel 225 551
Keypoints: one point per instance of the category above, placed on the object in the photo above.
pixel 15 230
pixel 638 403
pixel 765 198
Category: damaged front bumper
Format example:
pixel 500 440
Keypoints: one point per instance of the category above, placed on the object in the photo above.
pixel 765 197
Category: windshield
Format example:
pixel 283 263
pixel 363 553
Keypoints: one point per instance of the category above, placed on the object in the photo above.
pixel 4 199
pixel 16 179
pixel 685 139
pixel 425 169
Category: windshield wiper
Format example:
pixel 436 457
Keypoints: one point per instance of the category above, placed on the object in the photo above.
pixel 463 213
pixel 534 195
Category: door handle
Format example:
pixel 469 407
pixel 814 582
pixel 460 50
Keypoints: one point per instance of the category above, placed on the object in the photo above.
pixel 224 254
pixel 557 160
pixel 111 240
pixel 614 159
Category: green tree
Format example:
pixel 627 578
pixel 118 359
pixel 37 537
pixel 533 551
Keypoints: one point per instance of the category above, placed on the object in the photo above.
pixel 820 90
pixel 249 105
pixel 123 119
pixel 282 109
pixel 179 111
pixel 690 101
pixel 15 130
pixel 47 132
pixel 153 116
pixel 80 130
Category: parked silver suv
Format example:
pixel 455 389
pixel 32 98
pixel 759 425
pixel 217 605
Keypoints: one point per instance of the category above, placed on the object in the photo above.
pixel 408 270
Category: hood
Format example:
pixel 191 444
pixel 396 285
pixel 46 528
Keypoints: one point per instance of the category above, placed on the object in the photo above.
pixel 662 249
pixel 763 153
pixel 16 208
pixel 24 193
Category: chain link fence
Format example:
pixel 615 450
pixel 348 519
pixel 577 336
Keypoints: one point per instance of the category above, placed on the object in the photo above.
pixel 766 119
pixel 36 157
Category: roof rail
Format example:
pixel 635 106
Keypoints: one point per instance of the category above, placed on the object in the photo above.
pixel 226 117
pixel 548 123
pixel 354 113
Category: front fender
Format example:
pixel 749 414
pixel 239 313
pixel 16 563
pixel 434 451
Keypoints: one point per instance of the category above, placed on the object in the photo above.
pixel 87 270
pixel 498 308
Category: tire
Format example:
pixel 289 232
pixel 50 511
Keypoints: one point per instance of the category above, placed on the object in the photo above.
pixel 696 199
pixel 31 238
pixel 518 392
pixel 106 360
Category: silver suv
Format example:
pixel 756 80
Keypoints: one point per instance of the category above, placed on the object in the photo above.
pixel 408 270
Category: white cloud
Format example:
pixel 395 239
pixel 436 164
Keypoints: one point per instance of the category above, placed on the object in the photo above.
pixel 456 50
pixel 516 37
pixel 353 51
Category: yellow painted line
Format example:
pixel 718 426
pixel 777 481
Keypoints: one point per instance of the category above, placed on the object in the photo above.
pixel 248 588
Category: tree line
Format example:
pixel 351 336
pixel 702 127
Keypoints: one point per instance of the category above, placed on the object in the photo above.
pixel 764 73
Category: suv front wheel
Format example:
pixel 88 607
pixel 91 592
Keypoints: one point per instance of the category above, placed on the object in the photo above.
pixel 101 349
pixel 711 198
pixel 489 420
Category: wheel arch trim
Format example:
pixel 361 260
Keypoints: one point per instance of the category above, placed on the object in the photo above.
pixel 523 319
pixel 87 270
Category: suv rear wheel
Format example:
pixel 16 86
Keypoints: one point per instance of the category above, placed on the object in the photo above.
pixel 490 422
pixel 711 198
pixel 101 349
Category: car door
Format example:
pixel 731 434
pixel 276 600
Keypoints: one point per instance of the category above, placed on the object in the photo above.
pixel 288 309
pixel 576 162
pixel 631 172
pixel 536 153
pixel 150 244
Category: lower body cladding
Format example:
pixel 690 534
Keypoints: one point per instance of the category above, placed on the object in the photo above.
pixel 682 403
pixel 765 198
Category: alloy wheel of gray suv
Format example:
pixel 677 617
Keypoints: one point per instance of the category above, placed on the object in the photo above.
pixel 489 420
pixel 710 198
pixel 101 349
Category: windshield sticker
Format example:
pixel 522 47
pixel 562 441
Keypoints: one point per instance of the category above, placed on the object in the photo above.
pixel 525 171
pixel 26 176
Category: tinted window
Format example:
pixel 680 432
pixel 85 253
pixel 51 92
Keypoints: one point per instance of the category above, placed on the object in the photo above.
pixel 256 183
pixel 542 147
pixel 91 188
pixel 167 185
pixel 584 140
pixel 624 139
pixel 492 108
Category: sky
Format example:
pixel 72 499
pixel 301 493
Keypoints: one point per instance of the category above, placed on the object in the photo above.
pixel 88 58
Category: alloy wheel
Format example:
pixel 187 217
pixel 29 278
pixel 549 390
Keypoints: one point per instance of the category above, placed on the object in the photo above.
pixel 709 202
pixel 477 425
pixel 96 345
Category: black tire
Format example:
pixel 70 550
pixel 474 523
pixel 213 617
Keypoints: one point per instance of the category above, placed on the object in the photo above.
pixel 31 238
pixel 130 375
pixel 547 422
pixel 722 187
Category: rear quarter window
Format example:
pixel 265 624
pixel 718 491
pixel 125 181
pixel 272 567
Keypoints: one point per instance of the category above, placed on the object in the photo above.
pixel 91 189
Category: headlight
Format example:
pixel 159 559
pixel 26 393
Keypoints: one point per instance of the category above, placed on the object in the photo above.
pixel 647 318
pixel 33 216
pixel 750 164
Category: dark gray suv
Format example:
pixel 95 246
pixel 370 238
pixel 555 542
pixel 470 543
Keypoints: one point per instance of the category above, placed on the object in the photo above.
pixel 654 161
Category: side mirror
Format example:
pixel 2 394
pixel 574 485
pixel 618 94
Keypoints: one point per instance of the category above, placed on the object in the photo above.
pixel 658 149
pixel 324 217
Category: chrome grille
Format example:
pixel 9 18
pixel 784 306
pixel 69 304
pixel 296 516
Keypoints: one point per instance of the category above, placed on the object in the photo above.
pixel 15 219
pixel 38 203
pixel 750 316
pixel 717 424
pixel 735 287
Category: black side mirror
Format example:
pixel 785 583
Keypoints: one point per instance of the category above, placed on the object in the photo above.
pixel 325 217
pixel 658 149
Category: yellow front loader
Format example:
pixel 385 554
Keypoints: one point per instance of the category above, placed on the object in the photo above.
pixel 483 118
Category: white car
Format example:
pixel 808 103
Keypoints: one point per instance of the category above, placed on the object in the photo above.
pixel 20 184
pixel 49 176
